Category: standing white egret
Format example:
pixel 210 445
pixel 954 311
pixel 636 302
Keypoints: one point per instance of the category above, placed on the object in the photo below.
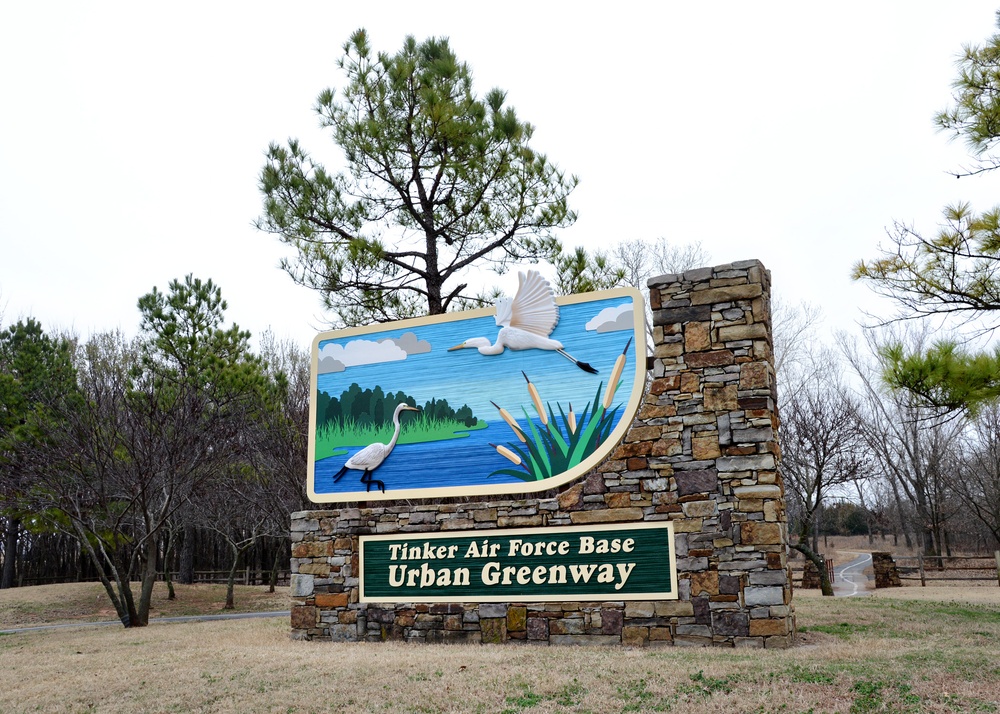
pixel 526 321
pixel 372 456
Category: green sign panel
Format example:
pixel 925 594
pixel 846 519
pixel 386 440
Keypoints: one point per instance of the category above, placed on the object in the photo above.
pixel 606 562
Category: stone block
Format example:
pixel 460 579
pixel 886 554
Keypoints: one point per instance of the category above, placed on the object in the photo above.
pixel 754 375
pixel 760 533
pixel 705 583
pixel 483 515
pixel 538 628
pixel 668 349
pixel 688 564
pixel 726 294
pixel 732 333
pixel 674 608
pixel 665 384
pixel 690 482
pixel 696 630
pixel 752 436
pixel 669 316
pixel 763 595
pixel 660 634
pixel 343 633
pixel 492 610
pixel 302 585
pixel 457 524
pixel 713 358
pixel 594 485
pixel 494 629
pixel 720 397
pixel 756 462
pixel 697 336
pixel 635 636
pixel 729 585
pixel 608 515
pixel 567 626
pixel 610 640
pixel 640 609
pixel 619 499
pixel 304 525
pixel 331 600
pixel 705 447
pixel 611 622
pixel 731 623
pixel 313 549
pixel 304 617
pixel 517 619
pixel 769 577
pixel 688 525
pixel 520 521
pixel 643 433
pixel 767 628
pixel 318 569
pixel 696 509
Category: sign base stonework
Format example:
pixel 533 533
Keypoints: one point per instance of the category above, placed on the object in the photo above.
pixel 701 458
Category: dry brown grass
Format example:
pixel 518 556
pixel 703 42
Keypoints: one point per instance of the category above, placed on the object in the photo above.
pixel 87 602
pixel 857 655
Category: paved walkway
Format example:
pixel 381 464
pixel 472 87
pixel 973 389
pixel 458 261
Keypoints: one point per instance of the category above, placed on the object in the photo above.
pixel 850 579
pixel 155 621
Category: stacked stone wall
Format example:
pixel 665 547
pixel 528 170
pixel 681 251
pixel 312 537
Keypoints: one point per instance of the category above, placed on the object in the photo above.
pixel 702 453
pixel 886 572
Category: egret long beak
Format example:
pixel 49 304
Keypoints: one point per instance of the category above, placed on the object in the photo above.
pixel 456 347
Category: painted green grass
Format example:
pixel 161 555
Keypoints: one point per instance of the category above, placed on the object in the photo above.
pixel 415 429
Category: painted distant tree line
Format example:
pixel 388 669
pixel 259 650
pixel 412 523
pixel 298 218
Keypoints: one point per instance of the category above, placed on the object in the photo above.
pixel 356 407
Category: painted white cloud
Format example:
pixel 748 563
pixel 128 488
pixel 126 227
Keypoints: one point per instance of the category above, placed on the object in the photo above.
pixel 409 343
pixel 612 319
pixel 358 352
pixel 329 364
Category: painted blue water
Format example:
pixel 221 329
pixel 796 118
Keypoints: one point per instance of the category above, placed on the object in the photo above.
pixel 468 461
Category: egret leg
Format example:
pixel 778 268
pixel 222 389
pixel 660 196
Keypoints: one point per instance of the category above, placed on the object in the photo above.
pixel 367 480
pixel 339 474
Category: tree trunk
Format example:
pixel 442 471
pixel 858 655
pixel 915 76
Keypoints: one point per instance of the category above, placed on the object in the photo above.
pixel 10 552
pixel 802 546
pixel 231 582
pixel 273 580
pixel 168 558
pixel 824 577
pixel 185 573
pixel 148 580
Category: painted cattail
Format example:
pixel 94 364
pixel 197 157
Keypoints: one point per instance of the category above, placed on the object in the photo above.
pixel 543 417
pixel 507 454
pixel 511 421
pixel 571 418
pixel 616 373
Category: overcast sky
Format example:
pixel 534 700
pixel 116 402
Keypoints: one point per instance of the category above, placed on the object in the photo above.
pixel 132 135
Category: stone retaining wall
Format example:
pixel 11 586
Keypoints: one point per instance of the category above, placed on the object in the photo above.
pixel 886 573
pixel 702 453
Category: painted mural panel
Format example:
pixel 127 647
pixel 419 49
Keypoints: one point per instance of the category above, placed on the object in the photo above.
pixel 516 398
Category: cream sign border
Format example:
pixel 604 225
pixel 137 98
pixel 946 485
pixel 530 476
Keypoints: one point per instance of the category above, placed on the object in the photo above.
pixel 616 436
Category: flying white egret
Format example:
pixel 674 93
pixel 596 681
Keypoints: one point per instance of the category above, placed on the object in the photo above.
pixel 526 321
pixel 372 456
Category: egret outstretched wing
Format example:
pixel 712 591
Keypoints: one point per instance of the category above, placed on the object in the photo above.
pixel 533 308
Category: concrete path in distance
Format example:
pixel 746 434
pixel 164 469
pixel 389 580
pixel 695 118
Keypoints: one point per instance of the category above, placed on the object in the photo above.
pixel 154 621
pixel 850 579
